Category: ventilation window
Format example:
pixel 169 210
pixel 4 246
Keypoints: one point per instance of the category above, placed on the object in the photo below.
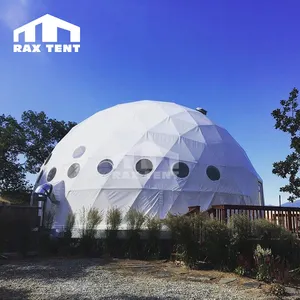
pixel 213 173
pixel 144 166
pixel 73 170
pixel 79 152
pixel 181 170
pixel 47 159
pixel 51 174
pixel 105 166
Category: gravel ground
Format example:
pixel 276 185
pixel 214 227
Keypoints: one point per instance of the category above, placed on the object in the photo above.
pixel 91 279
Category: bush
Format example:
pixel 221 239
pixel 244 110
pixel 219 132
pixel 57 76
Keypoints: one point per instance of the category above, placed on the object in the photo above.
pixel 216 243
pixel 280 270
pixel 49 218
pixel 241 246
pixel 241 227
pixel 89 221
pixel 282 242
pixel 113 219
pixel 187 232
pixel 66 241
pixel 135 221
pixel 277 290
pixel 113 222
pixel 47 244
pixel 241 271
pixel 265 230
pixel 263 260
pixel 153 226
pixel 70 222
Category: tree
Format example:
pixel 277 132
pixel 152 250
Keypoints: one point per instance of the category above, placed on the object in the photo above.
pixel 24 147
pixel 288 120
pixel 12 143
pixel 41 135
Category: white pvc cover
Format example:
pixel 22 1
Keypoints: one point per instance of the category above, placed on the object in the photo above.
pixel 165 133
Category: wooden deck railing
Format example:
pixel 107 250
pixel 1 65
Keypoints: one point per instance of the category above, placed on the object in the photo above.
pixel 16 212
pixel 287 217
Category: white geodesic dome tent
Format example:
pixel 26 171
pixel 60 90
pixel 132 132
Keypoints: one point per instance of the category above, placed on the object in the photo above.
pixel 156 157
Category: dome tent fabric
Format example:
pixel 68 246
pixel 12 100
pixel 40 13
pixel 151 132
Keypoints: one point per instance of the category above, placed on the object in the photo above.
pixel 156 157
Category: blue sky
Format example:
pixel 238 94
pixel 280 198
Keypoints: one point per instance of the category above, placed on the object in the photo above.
pixel 237 59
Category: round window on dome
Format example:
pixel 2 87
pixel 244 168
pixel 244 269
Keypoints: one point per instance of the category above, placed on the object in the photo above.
pixel 73 170
pixel 105 166
pixel 47 159
pixel 213 173
pixel 144 166
pixel 181 170
pixel 51 174
pixel 79 152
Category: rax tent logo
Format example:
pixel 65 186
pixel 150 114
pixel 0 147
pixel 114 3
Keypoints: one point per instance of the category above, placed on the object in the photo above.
pixel 50 26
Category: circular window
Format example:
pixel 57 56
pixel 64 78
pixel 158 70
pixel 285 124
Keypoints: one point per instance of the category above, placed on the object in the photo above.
pixel 47 159
pixel 73 170
pixel 181 169
pixel 51 174
pixel 78 152
pixel 105 166
pixel 213 173
pixel 144 166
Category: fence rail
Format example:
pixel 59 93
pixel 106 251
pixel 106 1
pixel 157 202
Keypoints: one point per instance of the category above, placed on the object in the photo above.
pixel 20 212
pixel 287 217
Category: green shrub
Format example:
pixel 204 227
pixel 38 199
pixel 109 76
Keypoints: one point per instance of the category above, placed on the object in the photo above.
pixel 263 260
pixel 241 246
pixel 240 226
pixel 282 242
pixel 216 242
pixel 113 219
pixel 49 218
pixel 264 229
pixel 66 244
pixel 240 270
pixel 113 222
pixel 70 222
pixel 47 245
pixel 89 221
pixel 153 225
pixel 187 232
pixel 277 290
pixel 135 221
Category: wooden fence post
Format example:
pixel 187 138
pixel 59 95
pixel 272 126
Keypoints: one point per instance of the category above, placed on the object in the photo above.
pixel 289 221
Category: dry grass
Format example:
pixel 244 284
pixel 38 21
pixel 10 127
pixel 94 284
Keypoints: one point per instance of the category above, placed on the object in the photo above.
pixel 4 201
pixel 177 272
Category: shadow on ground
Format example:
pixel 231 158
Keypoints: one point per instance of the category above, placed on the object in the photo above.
pixel 118 297
pixel 19 294
pixel 49 269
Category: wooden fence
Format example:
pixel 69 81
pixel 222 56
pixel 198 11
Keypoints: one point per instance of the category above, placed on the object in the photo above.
pixel 18 212
pixel 17 224
pixel 287 217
